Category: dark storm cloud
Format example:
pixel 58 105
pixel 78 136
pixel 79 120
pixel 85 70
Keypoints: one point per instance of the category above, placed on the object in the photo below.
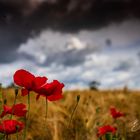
pixel 21 19
pixel 67 15
pixel 10 38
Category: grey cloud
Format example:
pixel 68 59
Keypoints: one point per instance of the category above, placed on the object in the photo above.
pixel 78 76
pixel 70 57
pixel 124 66
pixel 138 55
pixel 59 48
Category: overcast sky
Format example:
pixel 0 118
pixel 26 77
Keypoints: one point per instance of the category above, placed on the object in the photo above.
pixel 75 42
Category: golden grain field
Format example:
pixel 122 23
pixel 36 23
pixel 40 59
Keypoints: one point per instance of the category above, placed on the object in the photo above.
pixel 92 110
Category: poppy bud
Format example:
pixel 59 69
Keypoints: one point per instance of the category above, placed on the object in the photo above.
pixel 17 127
pixel 16 91
pixel 78 98
pixel 5 101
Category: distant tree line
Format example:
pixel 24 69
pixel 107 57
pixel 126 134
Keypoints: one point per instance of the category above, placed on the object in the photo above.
pixel 94 85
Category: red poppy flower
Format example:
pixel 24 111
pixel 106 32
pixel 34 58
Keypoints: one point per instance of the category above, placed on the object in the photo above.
pixel 18 110
pixel 52 91
pixel 106 129
pixel 28 81
pixel 11 126
pixel 116 114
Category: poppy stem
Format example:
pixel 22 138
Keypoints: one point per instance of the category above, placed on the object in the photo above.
pixel 28 110
pixel 27 119
pixel 46 109
pixel 6 137
pixel 124 130
pixel 100 138
pixel 17 136
pixel 78 99
pixel 17 132
pixel 28 105
pixel 1 100
pixel 16 93
pixel 2 137
pixel 24 134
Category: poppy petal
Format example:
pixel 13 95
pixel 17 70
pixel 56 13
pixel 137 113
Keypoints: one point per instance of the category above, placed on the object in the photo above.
pixel 115 113
pixel 24 92
pixel 105 129
pixel 6 110
pixel 37 97
pixel 10 126
pixel 54 97
pixel 19 110
pixel 23 78
pixel 52 91
pixel 39 81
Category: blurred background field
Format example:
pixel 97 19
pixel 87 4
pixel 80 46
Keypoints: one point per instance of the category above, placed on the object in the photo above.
pixel 92 110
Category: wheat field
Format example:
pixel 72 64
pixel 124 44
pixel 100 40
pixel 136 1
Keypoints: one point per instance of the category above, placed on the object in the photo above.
pixel 92 110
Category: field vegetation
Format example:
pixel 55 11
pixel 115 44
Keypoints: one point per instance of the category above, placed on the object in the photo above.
pixel 92 111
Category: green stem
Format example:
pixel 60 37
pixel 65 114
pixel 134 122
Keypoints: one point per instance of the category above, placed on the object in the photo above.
pixel 46 110
pixel 27 119
pixel 6 137
pixel 28 105
pixel 78 98
pixel 17 132
pixel 124 130
pixel 17 136
pixel 13 106
pixel 24 134
pixel 28 110
pixel 1 100
pixel 100 138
